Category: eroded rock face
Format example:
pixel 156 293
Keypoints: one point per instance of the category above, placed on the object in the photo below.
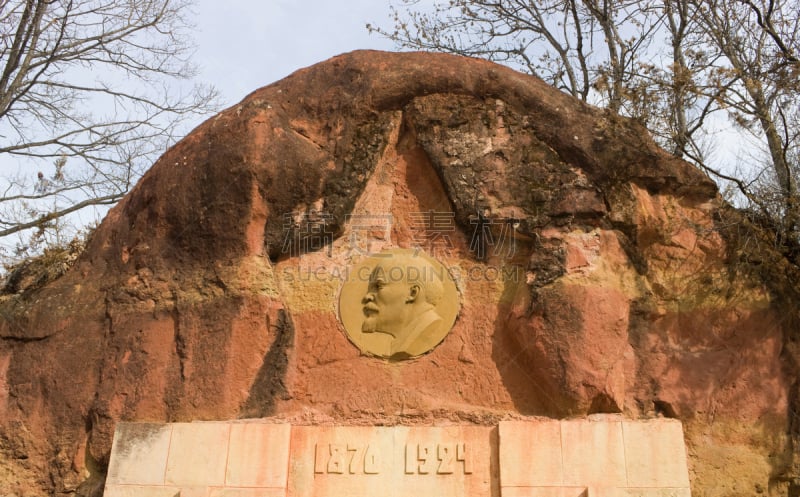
pixel 596 274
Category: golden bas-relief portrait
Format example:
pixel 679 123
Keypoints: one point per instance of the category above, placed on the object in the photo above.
pixel 398 304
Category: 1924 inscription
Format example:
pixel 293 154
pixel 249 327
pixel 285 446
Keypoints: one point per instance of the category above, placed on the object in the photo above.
pixel 442 459
pixel 420 459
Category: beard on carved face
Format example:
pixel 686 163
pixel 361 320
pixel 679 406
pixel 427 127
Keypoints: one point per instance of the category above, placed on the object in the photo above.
pixel 370 324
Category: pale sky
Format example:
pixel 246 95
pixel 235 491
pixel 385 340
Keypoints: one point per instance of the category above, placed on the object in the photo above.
pixel 246 44
pixel 243 45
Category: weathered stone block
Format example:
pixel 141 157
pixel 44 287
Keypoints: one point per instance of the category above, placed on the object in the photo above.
pixel 593 457
pixel 247 492
pixel 545 492
pixel 593 453
pixel 258 455
pixel 198 454
pixel 655 453
pixel 530 454
pixel 141 491
pixel 139 454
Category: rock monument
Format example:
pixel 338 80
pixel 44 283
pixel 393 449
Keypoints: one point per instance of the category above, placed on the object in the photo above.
pixel 553 276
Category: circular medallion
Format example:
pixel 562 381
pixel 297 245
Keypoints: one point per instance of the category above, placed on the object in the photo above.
pixel 398 304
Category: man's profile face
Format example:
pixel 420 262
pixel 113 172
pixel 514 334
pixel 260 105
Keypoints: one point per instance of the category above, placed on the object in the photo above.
pixel 408 304
pixel 386 306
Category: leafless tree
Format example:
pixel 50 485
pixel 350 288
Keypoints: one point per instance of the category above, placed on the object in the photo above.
pixel 758 82
pixel 672 64
pixel 90 92
pixel 607 52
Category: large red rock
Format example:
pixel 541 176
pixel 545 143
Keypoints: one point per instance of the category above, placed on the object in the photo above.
pixel 596 274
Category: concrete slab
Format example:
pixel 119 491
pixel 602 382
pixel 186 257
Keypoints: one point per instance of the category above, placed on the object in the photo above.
pixel 593 453
pixel 652 492
pixel 545 492
pixel 593 457
pixel 530 454
pixel 139 454
pixel 247 492
pixel 258 455
pixel 195 491
pixel 655 453
pixel 113 490
pixel 198 454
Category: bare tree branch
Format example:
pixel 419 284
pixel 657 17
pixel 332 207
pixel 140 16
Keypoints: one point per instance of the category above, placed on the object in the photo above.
pixel 99 131
pixel 106 200
pixel 764 20
pixel 672 64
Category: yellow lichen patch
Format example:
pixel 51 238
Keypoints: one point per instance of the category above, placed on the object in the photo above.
pixel 727 457
pixel 310 282
pixel 257 277
pixel 597 258
pixel 686 257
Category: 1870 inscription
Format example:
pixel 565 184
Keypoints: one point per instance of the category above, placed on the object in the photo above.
pixel 346 459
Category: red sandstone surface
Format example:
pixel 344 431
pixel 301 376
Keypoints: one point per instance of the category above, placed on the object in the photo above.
pixel 609 277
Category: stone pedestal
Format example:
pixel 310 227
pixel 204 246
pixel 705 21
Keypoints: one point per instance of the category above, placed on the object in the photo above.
pixel 538 458
pixel 583 458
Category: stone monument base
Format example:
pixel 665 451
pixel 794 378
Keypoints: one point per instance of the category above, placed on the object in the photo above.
pixel 605 456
